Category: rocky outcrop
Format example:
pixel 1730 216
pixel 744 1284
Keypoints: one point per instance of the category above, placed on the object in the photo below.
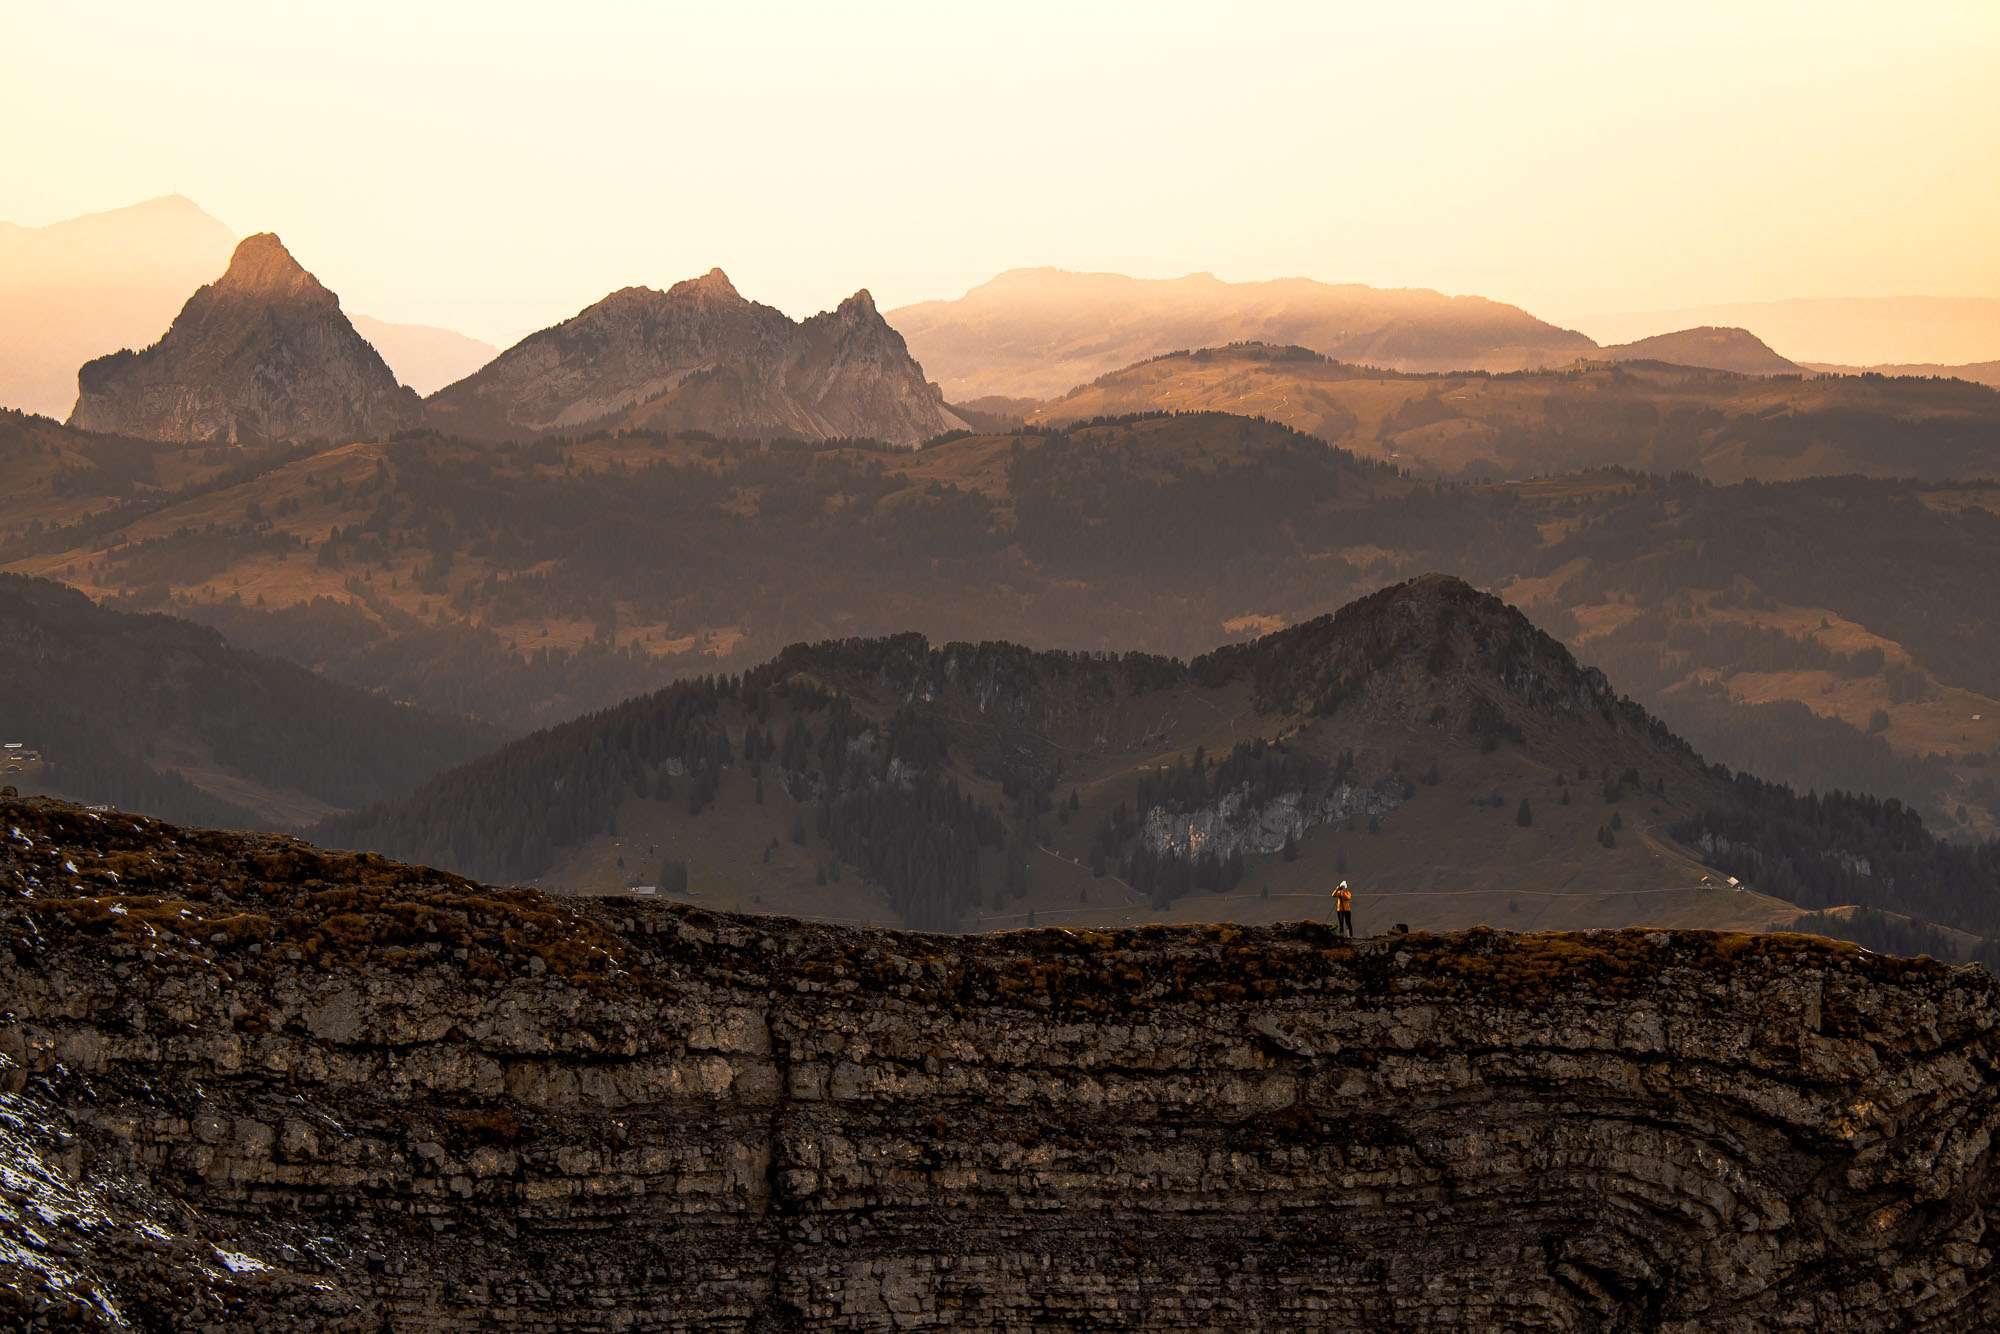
pixel 1234 823
pixel 263 353
pixel 245 1084
pixel 699 356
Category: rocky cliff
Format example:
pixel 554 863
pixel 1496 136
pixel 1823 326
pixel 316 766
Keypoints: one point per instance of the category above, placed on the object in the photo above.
pixel 699 356
pixel 262 353
pixel 247 1084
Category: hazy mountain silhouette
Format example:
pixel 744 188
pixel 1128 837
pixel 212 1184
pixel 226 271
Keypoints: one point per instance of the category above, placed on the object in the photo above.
pixel 424 357
pixel 1978 372
pixel 161 715
pixel 77 289
pixel 1724 425
pixel 1852 331
pixel 1711 348
pixel 1035 333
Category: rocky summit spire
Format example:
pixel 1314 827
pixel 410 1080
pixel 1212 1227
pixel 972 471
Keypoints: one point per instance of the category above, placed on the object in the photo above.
pixel 262 353
pixel 714 283
pixel 263 267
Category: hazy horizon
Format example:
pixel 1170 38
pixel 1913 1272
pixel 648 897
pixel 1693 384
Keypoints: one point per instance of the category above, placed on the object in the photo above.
pixel 499 176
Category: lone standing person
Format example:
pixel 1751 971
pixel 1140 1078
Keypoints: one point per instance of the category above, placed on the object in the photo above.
pixel 1343 903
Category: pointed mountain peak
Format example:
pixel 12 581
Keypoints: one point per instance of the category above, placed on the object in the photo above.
pixel 861 303
pixel 713 285
pixel 262 266
pixel 263 353
pixel 1415 646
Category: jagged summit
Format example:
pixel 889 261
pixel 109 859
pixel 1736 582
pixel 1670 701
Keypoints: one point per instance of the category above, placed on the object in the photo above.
pixel 262 266
pixel 702 356
pixel 714 283
pixel 262 353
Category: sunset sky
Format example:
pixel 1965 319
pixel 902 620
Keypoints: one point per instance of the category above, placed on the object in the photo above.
pixel 468 164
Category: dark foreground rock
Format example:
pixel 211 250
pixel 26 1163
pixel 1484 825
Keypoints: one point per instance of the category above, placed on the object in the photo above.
pixel 247 1084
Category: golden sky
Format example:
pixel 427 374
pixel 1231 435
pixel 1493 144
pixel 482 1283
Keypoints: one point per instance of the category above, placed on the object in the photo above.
pixel 495 166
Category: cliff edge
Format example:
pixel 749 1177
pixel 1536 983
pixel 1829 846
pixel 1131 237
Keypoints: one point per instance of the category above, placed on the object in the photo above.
pixel 244 1083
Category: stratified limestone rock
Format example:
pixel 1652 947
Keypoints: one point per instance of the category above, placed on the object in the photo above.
pixel 263 353
pixel 282 1088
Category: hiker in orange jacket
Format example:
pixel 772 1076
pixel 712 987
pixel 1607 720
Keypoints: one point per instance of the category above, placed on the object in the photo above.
pixel 1343 903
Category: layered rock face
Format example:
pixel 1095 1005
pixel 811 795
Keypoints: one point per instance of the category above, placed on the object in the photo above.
pixel 249 1085
pixel 701 357
pixel 263 353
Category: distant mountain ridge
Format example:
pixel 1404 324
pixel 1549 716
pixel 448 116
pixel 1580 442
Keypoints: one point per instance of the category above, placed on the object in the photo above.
pixel 424 357
pixel 1848 331
pixel 1631 409
pixel 699 356
pixel 1034 333
pixel 262 353
pixel 1709 347
pixel 526 586
pixel 1978 372
pixel 1427 740
pixel 77 289
pixel 161 715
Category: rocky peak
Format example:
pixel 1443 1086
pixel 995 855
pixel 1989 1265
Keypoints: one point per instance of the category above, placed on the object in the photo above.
pixel 702 356
pixel 263 268
pixel 262 353
pixel 713 285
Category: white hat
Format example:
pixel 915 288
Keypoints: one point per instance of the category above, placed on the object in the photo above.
pixel 1343 884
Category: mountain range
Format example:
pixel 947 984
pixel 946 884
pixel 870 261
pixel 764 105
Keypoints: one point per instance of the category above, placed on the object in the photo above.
pixel 266 354
pixel 1828 632
pixel 1979 372
pixel 157 714
pixel 1636 413
pixel 1035 333
pixel 1426 742
pixel 79 289
pixel 699 356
